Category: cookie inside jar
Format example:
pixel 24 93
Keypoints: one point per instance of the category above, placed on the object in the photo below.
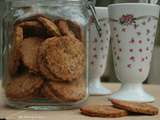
pixel 47 61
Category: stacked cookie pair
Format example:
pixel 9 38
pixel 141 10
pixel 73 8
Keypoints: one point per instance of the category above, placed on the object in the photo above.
pixel 46 60
pixel 119 108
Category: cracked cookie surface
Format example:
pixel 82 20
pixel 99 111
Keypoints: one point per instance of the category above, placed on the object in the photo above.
pixel 23 87
pixel 64 57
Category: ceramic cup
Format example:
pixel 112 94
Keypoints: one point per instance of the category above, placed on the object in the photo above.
pixel 98 52
pixel 133 28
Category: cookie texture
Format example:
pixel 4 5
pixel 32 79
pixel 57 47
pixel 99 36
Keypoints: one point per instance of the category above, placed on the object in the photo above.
pixel 35 24
pixel 23 87
pixel 64 28
pixel 66 92
pixel 64 58
pixel 76 29
pixel 103 111
pixel 18 35
pixel 70 28
pixel 50 26
pixel 135 107
pixel 14 55
pixel 29 52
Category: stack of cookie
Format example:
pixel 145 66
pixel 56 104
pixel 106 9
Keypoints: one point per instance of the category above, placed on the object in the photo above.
pixel 46 60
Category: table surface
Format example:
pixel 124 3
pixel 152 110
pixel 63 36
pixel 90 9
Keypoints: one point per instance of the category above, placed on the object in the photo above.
pixel 14 114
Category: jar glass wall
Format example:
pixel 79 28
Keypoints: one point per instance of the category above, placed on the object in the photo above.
pixel 45 54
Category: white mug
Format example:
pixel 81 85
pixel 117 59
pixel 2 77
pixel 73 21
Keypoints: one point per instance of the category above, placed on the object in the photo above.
pixel 133 28
pixel 98 52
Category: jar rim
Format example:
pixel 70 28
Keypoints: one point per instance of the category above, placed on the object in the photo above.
pixel 28 3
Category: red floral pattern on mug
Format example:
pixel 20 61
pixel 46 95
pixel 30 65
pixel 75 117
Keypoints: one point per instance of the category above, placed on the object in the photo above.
pixel 127 19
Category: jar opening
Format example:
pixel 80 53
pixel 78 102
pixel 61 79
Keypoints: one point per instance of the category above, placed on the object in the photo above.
pixel 24 3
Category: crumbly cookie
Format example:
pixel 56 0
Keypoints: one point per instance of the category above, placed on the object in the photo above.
pixel 76 29
pixel 34 23
pixel 14 59
pixel 64 28
pixel 103 111
pixel 70 28
pixel 23 87
pixel 66 91
pixel 18 35
pixel 64 57
pixel 47 93
pixel 135 107
pixel 29 52
pixel 42 63
pixel 50 26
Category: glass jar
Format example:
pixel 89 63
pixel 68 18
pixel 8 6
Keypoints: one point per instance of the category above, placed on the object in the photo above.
pixel 45 46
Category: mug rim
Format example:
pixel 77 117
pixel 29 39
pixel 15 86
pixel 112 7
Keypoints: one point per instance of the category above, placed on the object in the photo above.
pixel 134 4
pixel 98 7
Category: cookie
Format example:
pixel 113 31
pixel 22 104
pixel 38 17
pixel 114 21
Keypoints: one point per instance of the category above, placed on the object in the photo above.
pixel 14 62
pixel 50 26
pixel 64 57
pixel 47 93
pixel 23 87
pixel 29 52
pixel 14 57
pixel 76 29
pixel 103 111
pixel 66 91
pixel 135 107
pixel 70 28
pixel 42 63
pixel 64 28
pixel 18 35
pixel 31 24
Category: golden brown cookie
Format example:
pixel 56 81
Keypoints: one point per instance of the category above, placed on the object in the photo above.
pixel 29 52
pixel 50 26
pixel 42 64
pixel 34 23
pixel 47 93
pixel 14 55
pixel 64 28
pixel 23 87
pixel 70 28
pixel 135 107
pixel 66 91
pixel 76 29
pixel 64 57
pixel 103 111
pixel 18 35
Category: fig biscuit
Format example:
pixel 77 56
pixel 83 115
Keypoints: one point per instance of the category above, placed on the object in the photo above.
pixel 29 51
pixel 103 111
pixel 66 91
pixel 65 57
pixel 50 26
pixel 23 87
pixel 135 107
